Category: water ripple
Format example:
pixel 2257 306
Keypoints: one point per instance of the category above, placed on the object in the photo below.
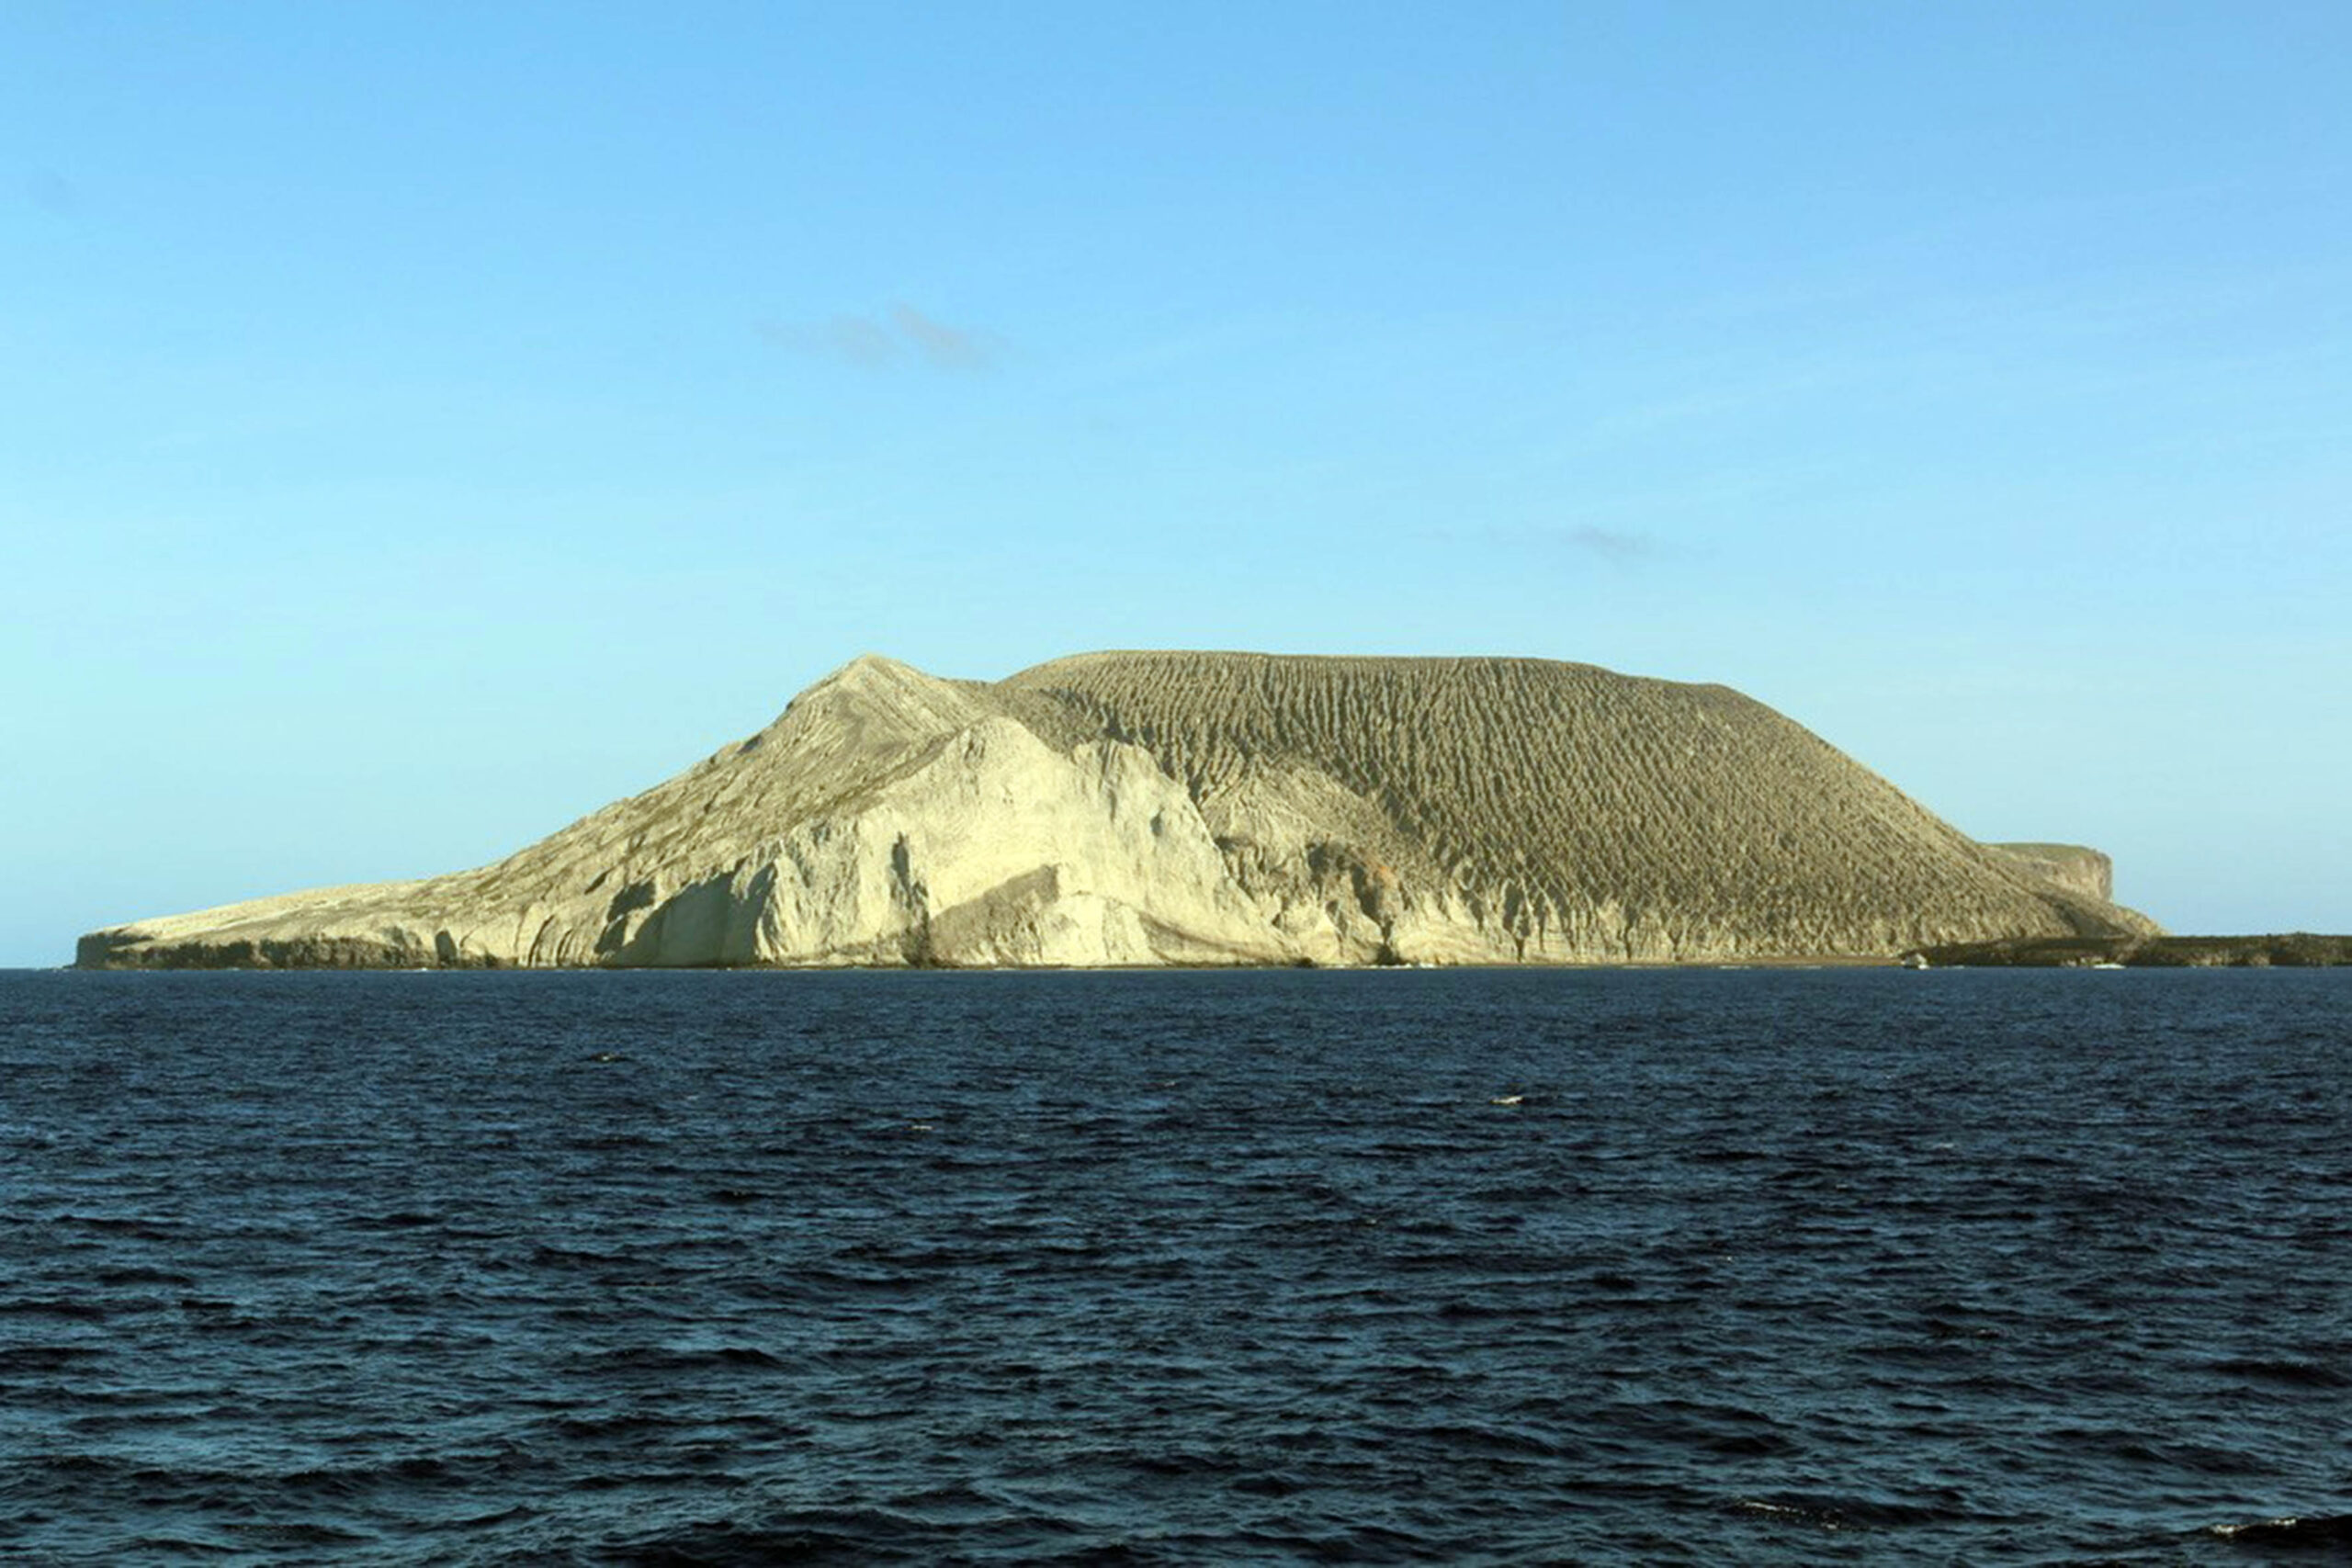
pixel 1174 1269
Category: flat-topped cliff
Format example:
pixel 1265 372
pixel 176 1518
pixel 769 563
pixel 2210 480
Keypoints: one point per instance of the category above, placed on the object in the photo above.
pixel 1211 808
pixel 2071 866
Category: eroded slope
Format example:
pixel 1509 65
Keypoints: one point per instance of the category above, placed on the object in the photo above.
pixel 1526 809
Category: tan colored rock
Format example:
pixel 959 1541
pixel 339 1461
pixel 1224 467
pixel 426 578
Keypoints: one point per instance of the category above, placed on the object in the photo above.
pixel 1205 808
pixel 2070 868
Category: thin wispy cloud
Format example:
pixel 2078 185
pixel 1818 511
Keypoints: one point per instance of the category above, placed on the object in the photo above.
pixel 1625 548
pixel 900 335
pixel 853 340
pixel 1612 544
pixel 940 346
pixel 54 194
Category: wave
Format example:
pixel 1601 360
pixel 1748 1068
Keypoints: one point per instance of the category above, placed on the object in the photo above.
pixel 2300 1531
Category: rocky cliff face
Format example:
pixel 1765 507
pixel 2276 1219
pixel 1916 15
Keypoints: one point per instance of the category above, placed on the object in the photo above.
pixel 2070 868
pixel 1204 808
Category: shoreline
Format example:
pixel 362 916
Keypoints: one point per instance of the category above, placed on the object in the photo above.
pixel 2298 949
pixel 2291 950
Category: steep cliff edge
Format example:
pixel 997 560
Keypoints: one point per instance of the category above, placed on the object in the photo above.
pixel 1205 808
pixel 2071 868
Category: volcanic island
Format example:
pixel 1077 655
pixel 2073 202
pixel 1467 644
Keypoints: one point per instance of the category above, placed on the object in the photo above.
pixel 1167 808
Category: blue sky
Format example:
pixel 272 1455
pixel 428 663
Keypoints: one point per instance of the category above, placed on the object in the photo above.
pixel 425 423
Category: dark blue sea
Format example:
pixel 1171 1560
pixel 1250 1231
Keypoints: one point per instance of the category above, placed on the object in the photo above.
pixel 1751 1266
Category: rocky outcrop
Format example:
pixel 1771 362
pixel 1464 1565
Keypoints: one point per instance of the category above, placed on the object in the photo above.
pixel 1206 809
pixel 2069 868
pixel 2291 950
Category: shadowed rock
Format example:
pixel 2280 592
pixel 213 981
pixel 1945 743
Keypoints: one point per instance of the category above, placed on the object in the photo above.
pixel 2289 950
pixel 1211 808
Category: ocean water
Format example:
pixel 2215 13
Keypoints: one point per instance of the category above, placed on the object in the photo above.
pixel 1598 1266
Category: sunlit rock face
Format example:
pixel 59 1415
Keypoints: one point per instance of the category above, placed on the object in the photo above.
pixel 2072 868
pixel 1154 808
